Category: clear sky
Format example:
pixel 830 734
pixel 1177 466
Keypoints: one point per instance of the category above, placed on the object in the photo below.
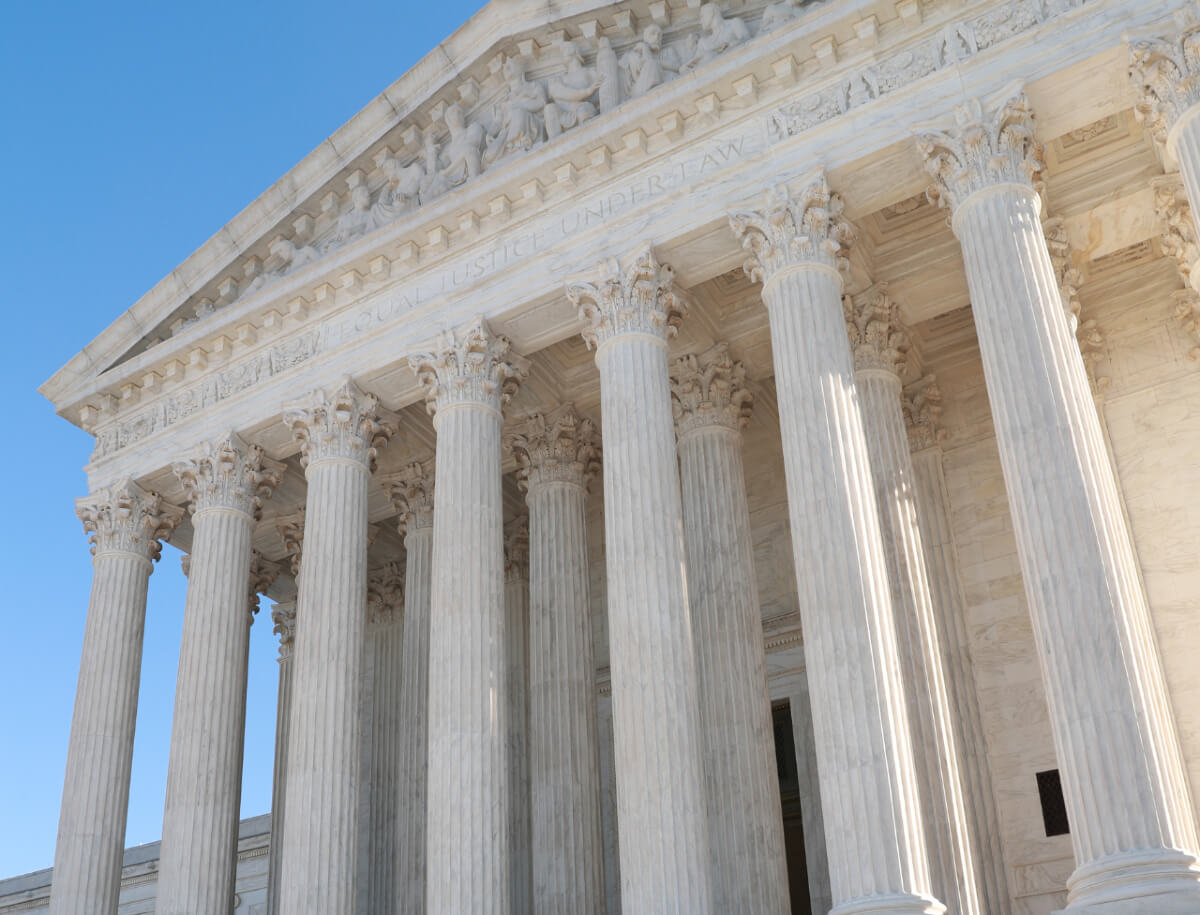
pixel 130 133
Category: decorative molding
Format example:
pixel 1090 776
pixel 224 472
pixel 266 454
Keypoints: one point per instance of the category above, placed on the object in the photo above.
pixel 411 492
pixel 283 615
pixel 641 298
pixel 516 548
pixel 984 150
pixel 345 424
pixel 1165 72
pixel 792 230
pixel 263 573
pixel 922 403
pixel 1174 212
pixel 229 474
pixel 877 338
pixel 291 532
pixel 472 366
pixel 127 519
pixel 385 594
pixel 709 389
pixel 557 446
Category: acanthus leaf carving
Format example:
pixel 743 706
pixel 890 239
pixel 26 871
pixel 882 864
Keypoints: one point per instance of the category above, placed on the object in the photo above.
pixel 473 365
pixel 641 298
pixel 263 573
pixel 791 230
pixel 125 518
pixel 345 424
pixel 1087 332
pixel 1165 72
pixel 516 548
pixel 1175 219
pixel 922 404
pixel 878 340
pixel 229 473
pixel 283 616
pixel 1187 313
pixel 709 389
pixel 411 492
pixel 557 446
pixel 385 594
pixel 291 532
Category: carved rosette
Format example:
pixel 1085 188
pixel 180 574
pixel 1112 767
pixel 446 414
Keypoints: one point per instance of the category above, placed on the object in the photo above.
pixel 558 446
pixel 345 424
pixel 516 548
pixel 385 593
pixel 127 519
pixel 709 389
pixel 284 618
pixel 411 492
pixel 922 403
pixel 472 366
pixel 794 230
pixel 1174 213
pixel 641 298
pixel 291 532
pixel 263 573
pixel 1166 74
pixel 229 474
pixel 984 150
pixel 877 339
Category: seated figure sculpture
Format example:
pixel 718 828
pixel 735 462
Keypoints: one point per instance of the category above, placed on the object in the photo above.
pixel 648 64
pixel 519 115
pixel 461 157
pixel 570 93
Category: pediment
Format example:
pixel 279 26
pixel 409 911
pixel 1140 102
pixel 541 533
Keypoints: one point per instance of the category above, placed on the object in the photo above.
pixel 515 77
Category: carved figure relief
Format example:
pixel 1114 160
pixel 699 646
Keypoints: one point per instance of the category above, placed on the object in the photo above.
pixel 462 158
pixel 722 34
pixel 519 114
pixel 570 93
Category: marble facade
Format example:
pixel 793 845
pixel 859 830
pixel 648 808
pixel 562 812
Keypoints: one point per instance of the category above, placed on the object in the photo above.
pixel 878 413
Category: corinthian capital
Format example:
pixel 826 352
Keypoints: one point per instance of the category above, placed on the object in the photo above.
pixel 559 446
pixel 229 473
pixel 640 298
pixel 1166 74
pixel 709 390
pixel 1175 220
pixel 922 402
pixel 411 492
pixel 982 151
pixel 291 532
pixel 343 424
pixel 472 366
pixel 877 338
pixel 127 519
pixel 385 593
pixel 516 548
pixel 284 617
pixel 263 573
pixel 793 230
pixel 1069 277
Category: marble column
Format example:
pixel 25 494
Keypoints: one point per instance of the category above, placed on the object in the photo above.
pixel 608 802
pixel 1166 74
pixel 558 456
pixel 797 245
pixel 812 822
pixel 225 483
pixel 1132 821
pixel 381 771
pixel 745 828
pixel 339 432
pixel 411 491
pixel 468 861
pixel 125 524
pixel 283 616
pixel 516 685
pixel 628 316
pixel 880 345
pixel 922 407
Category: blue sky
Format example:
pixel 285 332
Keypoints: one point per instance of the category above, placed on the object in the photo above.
pixel 131 133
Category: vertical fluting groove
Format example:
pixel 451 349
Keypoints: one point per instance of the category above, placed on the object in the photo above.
pixel 414 722
pixel 91 830
pixel 203 793
pixel 933 729
pixel 608 806
pixel 816 858
pixel 745 828
pixel 320 841
pixel 859 719
pixel 1132 822
pixel 384 642
pixel 279 783
pixel 516 741
pixel 568 856
pixel 933 515
pixel 660 792
pixel 467 852
pixel 366 711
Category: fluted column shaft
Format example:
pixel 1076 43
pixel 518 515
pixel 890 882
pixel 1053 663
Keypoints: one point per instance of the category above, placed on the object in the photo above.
pixel 568 852
pixel 204 774
pixel 937 539
pixel 385 630
pixel 91 828
pixel 1132 823
pixel 608 805
pixel 859 720
pixel 745 826
pixel 516 740
pixel 284 616
pixel 943 809
pixel 816 859
pixel 414 708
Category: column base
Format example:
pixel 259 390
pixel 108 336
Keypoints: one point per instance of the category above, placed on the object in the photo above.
pixel 890 904
pixel 1159 881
